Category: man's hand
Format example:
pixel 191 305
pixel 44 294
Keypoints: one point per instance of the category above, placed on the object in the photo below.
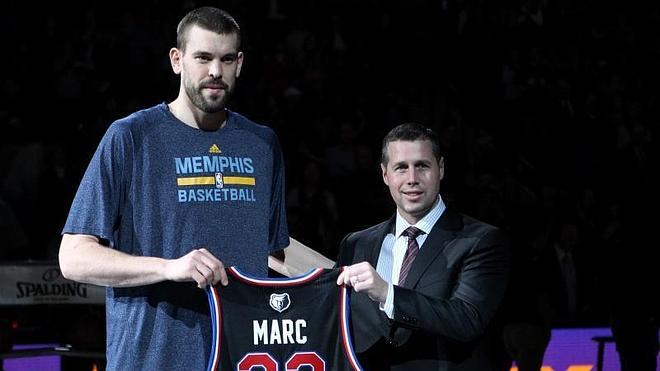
pixel 199 266
pixel 363 277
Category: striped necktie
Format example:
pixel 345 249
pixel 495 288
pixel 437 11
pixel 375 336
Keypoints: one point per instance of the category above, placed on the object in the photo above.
pixel 411 252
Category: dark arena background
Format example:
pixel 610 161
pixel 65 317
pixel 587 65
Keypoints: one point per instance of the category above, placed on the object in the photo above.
pixel 548 112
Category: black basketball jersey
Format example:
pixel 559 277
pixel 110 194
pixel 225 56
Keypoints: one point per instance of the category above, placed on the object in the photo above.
pixel 281 323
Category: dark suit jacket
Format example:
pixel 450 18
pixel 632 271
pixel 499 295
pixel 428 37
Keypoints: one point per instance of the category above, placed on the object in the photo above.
pixel 443 317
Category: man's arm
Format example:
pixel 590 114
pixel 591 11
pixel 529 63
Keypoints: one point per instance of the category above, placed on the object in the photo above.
pixel 463 316
pixel 83 258
pixel 478 292
pixel 297 259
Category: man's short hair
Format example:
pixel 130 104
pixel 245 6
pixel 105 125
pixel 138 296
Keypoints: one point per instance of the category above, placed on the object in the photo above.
pixel 411 132
pixel 208 18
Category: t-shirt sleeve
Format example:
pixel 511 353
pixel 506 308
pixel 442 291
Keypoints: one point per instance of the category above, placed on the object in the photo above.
pixel 96 208
pixel 278 236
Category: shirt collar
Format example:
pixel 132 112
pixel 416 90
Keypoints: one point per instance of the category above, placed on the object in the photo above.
pixel 426 223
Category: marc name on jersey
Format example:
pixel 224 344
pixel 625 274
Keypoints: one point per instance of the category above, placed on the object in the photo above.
pixel 284 331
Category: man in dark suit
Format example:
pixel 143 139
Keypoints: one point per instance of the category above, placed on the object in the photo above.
pixel 428 281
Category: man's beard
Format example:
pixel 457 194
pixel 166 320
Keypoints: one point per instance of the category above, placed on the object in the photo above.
pixel 206 105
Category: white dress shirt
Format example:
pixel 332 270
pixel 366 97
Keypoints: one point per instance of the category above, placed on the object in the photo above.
pixel 394 249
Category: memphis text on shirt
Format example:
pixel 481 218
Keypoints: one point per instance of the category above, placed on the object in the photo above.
pixel 215 178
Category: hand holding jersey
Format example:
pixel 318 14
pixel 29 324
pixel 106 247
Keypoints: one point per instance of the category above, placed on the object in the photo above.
pixel 205 269
pixel 364 278
pixel 198 265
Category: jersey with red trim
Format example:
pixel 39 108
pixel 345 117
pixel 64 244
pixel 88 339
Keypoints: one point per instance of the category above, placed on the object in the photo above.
pixel 281 323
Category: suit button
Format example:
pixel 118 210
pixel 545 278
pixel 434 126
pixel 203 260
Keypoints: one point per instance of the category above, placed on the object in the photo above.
pixel 410 319
pixel 392 343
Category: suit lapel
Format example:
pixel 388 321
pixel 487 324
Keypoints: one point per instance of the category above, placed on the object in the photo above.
pixel 377 240
pixel 443 231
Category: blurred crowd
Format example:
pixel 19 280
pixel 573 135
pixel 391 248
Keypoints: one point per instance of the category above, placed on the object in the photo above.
pixel 548 112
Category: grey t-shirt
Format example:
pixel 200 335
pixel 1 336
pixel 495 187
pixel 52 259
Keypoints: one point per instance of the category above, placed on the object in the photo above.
pixel 158 187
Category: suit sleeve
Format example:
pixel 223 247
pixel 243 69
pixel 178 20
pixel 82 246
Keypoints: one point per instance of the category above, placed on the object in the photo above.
pixel 478 291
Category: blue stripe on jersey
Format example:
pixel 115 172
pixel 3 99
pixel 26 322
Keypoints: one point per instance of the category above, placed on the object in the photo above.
pixel 216 321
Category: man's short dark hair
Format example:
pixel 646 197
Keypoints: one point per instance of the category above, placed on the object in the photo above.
pixel 411 132
pixel 208 18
